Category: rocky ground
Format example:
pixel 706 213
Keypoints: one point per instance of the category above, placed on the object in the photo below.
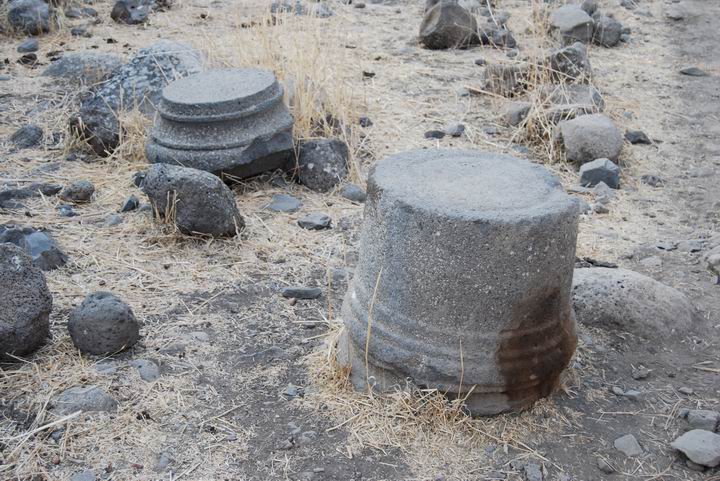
pixel 232 380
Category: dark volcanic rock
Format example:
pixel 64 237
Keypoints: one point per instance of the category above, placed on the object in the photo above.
pixel 87 68
pixel 322 164
pixel 200 203
pixel 41 248
pixel 103 325
pixel 25 303
pixel 32 17
pixel 448 25
pixel 131 12
pixel 27 136
pixel 79 192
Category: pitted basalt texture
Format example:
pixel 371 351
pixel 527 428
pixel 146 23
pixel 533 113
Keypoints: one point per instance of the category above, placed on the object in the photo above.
pixel 240 127
pixel 466 263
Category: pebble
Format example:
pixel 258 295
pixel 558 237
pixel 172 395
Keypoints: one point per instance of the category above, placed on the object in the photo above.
pixel 533 472
pixel 283 203
pixel 302 292
pixel 79 191
pixel 434 134
pixel 83 476
pixel 693 72
pixel 640 373
pixel 84 398
pixel 688 391
pixel 636 137
pixel 131 203
pixel 604 466
pixel 113 220
pixel 315 221
pixel 454 129
pixel 353 193
pixel 700 446
pixel 29 45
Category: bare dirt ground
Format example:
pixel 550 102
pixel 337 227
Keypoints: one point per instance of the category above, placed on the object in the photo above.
pixel 247 389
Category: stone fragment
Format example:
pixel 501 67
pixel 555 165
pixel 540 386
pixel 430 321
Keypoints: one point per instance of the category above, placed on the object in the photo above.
pixel 131 12
pixel 572 23
pixel 103 325
pixel 703 419
pixel 533 472
pixel 130 204
pixel 36 189
pixel 701 447
pixel 315 221
pixel 29 45
pixel 600 170
pixel 570 64
pixel 353 193
pixel 27 136
pixel 434 134
pixel 604 466
pixel 426 211
pixel 589 6
pixel 283 203
pixel 41 248
pixel 628 445
pixel 448 25
pixel 625 301
pixel 86 475
pixel 25 304
pixel 607 31
pixel 240 127
pixel 31 17
pixel 302 292
pixel 454 129
pixel 565 102
pixel 322 164
pixel 85 399
pixel 85 68
pixel 136 84
pixel 196 202
pixel 637 137
pixel 688 391
pixel 148 370
pixel 652 180
pixel 590 137
pixel 694 72
pixel 78 192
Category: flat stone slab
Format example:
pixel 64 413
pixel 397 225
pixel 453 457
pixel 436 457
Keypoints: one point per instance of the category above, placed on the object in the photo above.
pixel 467 258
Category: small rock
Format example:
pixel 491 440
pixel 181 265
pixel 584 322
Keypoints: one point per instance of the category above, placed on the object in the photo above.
pixel 365 122
pixel 688 391
pixel 283 203
pixel 302 292
pixel 148 370
pixel 636 137
pixel 29 45
pixel 570 64
pixel 448 25
pixel 84 476
pixel 692 245
pixel 607 31
pixel 113 220
pixel 480 61
pixel 27 136
pixel 322 164
pixel 78 192
pixel 39 245
pixel 628 445
pixel 633 395
pixel 434 134
pixel 66 210
pixel 590 137
pixel 617 391
pixel 533 472
pixel 80 32
pixel 652 180
pixel 353 193
pixel 694 72
pixel 640 373
pixel 163 462
pixel 130 204
pixel 701 447
pixel 84 398
pixel 703 419
pixel 516 112
pixel 454 130
pixel 600 170
pixel 31 17
pixel 84 68
pixel 604 466
pixel 201 202
pixel 292 391
pixel 315 221
pixel 572 23
pixel 131 12
pixel 103 325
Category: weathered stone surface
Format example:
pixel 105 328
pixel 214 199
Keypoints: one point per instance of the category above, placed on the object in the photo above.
pixel 86 68
pixel 32 17
pixel 572 23
pixel 448 25
pixel 283 203
pixel 79 192
pixel 200 203
pixel 85 399
pixel 302 292
pixel 103 325
pixel 131 12
pixel 590 137
pixel 600 170
pixel 322 164
pixel 623 300
pixel 240 127
pixel 28 45
pixel 458 217
pixel 315 221
pixel 703 419
pixel 27 136
pixel 25 303
pixel 148 370
pixel 353 193
pixel 41 248
pixel 136 84
pixel 701 447
pixel 570 64
pixel 607 31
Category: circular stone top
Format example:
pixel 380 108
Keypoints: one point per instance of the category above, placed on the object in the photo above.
pixel 470 184
pixel 219 95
